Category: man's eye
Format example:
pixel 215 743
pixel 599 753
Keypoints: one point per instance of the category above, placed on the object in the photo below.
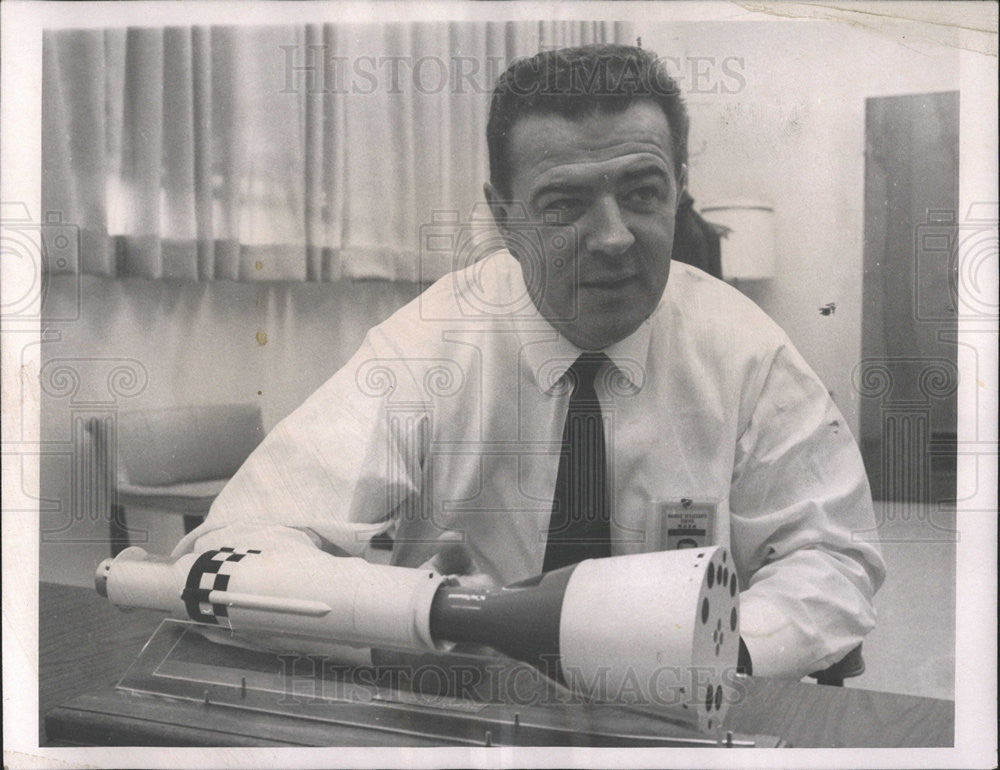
pixel 566 208
pixel 643 196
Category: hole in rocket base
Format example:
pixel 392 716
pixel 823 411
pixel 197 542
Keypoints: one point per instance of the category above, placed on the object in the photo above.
pixel 704 610
pixel 711 577
pixel 732 620
pixel 709 698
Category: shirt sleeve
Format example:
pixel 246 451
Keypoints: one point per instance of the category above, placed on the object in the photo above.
pixel 334 472
pixel 802 527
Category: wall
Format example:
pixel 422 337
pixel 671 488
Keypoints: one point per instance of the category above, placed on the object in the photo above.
pixel 139 344
pixel 794 135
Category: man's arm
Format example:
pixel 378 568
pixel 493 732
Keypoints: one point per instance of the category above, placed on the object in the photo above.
pixel 330 474
pixel 802 527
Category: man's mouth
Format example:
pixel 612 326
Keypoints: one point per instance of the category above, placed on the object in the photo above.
pixel 610 283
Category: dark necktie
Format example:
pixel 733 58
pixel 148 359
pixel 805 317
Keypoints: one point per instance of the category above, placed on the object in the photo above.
pixel 579 527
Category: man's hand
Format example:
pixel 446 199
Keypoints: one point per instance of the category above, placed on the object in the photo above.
pixel 456 560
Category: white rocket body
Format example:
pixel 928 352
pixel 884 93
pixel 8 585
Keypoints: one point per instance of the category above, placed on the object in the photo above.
pixel 658 628
pixel 312 604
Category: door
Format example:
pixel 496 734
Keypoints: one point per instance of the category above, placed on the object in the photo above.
pixel 908 374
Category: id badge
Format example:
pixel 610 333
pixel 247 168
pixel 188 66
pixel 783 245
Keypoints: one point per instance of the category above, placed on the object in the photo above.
pixel 687 523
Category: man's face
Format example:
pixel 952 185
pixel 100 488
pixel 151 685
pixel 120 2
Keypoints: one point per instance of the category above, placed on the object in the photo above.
pixel 612 178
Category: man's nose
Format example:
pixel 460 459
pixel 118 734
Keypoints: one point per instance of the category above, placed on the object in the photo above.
pixel 606 231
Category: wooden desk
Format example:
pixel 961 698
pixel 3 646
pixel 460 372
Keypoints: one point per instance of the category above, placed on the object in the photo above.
pixel 85 645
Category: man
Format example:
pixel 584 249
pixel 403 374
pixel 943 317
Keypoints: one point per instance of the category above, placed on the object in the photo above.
pixel 574 395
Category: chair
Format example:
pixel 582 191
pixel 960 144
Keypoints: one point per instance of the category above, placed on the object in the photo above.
pixel 851 665
pixel 174 460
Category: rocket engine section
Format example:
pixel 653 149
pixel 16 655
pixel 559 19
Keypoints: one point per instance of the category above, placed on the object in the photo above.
pixel 657 628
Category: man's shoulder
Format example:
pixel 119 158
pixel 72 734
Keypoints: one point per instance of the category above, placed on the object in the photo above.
pixel 708 314
pixel 487 294
pixel 488 290
pixel 696 296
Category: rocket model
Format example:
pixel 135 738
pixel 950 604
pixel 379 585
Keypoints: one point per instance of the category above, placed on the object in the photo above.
pixel 658 628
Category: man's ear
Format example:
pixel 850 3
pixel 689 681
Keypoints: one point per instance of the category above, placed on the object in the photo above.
pixel 497 205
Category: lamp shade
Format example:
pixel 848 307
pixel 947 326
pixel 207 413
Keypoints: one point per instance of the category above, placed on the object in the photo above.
pixel 746 235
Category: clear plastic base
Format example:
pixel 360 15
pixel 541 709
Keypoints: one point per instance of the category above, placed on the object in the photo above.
pixel 454 698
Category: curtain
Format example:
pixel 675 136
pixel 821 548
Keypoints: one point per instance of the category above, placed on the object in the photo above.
pixel 309 153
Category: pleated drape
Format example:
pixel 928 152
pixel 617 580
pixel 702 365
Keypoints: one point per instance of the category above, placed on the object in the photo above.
pixel 309 153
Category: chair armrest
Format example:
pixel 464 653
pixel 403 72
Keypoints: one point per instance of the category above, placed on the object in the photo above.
pixel 851 665
pixel 187 497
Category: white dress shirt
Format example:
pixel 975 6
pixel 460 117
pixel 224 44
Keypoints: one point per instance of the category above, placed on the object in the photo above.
pixel 447 423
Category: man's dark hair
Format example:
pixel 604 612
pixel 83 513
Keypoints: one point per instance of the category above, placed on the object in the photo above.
pixel 574 83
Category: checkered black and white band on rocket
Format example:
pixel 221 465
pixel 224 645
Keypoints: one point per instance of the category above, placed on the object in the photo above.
pixel 211 572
